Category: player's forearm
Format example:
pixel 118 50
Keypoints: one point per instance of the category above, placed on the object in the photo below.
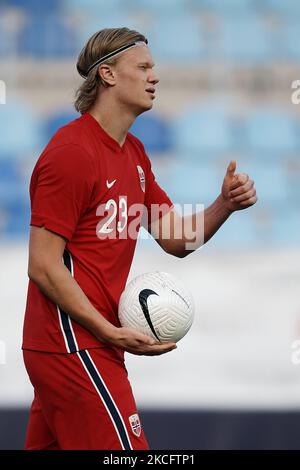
pixel 214 217
pixel 56 283
pixel 199 227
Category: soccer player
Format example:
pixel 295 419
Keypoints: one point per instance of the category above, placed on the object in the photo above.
pixel 82 189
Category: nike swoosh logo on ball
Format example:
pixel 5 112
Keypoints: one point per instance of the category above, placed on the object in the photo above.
pixel 143 297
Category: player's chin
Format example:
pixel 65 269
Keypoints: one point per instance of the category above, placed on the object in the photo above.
pixel 147 104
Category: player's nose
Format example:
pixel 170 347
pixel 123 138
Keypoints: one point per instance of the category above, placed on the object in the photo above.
pixel 154 78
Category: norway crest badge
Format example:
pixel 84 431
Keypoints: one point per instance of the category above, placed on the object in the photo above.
pixel 142 177
pixel 135 424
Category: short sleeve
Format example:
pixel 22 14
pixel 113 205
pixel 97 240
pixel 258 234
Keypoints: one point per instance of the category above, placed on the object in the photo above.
pixel 157 201
pixel 60 189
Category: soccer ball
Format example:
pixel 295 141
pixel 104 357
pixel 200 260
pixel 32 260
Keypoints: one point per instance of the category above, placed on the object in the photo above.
pixel 158 305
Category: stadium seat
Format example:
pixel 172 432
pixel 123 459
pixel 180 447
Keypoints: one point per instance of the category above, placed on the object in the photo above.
pixel 290 39
pixel 14 199
pixel 37 7
pixel 153 131
pixel 291 168
pixel 239 232
pixel 15 217
pixel 286 227
pixel 271 130
pixel 204 130
pixel 90 24
pixel 9 31
pixel 290 8
pixel 191 184
pixel 9 171
pixel 228 6
pixel 259 228
pixel 271 181
pixel 158 6
pixel 48 38
pixel 165 43
pixel 7 46
pixel 244 39
pixel 57 120
pixel 20 130
pixel 96 8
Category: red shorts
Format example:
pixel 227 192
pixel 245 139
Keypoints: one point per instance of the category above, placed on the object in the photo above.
pixel 82 401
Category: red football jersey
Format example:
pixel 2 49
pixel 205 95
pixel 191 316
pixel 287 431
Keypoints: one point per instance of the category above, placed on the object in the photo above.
pixel 84 187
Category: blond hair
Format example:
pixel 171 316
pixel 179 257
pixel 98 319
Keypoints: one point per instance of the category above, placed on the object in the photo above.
pixel 100 44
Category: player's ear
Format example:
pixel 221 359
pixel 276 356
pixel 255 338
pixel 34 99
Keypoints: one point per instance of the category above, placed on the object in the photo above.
pixel 107 74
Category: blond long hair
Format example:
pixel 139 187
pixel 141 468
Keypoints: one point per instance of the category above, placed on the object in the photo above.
pixel 101 43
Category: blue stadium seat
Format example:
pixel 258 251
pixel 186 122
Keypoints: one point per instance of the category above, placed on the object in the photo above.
pixel 8 37
pixel 166 45
pixel 228 6
pixel 49 37
pixel 259 227
pixel 107 19
pixel 38 7
pixel 9 171
pixel 14 199
pixel 11 191
pixel 191 184
pixel 204 130
pixel 286 226
pixel 166 6
pixel 286 7
pixel 254 227
pixel 290 39
pixel 244 39
pixel 57 120
pixel 96 8
pixel 20 130
pixel 271 181
pixel 7 47
pixel 239 232
pixel 291 168
pixel 14 217
pixel 153 131
pixel 271 130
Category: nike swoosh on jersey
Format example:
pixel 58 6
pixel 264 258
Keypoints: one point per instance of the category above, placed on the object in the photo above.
pixel 110 184
pixel 143 297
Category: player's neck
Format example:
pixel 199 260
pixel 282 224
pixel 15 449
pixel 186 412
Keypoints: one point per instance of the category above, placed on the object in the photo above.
pixel 114 120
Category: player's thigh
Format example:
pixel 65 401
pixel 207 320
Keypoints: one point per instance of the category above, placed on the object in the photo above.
pixel 87 399
pixel 38 435
pixel 114 401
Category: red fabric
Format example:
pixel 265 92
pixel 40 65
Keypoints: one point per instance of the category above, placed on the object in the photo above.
pixel 68 412
pixel 70 180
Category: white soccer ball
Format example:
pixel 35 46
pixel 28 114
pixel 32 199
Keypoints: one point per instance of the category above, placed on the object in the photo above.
pixel 158 305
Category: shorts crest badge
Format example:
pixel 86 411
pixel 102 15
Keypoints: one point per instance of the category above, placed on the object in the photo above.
pixel 135 424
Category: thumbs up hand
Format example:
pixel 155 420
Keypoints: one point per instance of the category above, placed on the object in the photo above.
pixel 238 190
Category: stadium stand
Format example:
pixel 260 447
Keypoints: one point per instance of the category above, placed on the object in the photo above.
pixel 199 138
